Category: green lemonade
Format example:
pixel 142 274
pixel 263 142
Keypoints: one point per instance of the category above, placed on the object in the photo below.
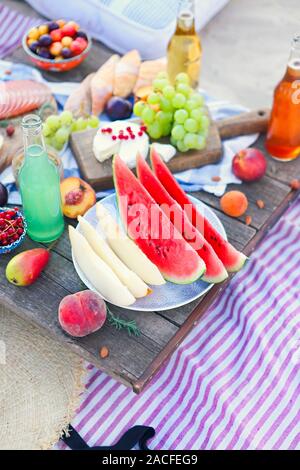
pixel 39 184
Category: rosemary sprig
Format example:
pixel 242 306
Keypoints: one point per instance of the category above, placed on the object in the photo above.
pixel 119 324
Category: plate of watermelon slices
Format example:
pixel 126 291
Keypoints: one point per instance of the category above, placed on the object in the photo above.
pixel 168 295
pixel 143 247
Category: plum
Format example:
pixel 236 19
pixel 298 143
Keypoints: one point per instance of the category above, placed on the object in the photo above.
pixel 52 25
pixel 33 46
pixel 45 40
pixel 3 195
pixel 118 108
pixel 82 313
pixel 66 52
pixel 44 52
pixel 81 34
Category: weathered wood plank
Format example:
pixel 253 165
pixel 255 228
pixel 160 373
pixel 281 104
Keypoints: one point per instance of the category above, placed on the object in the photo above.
pixel 269 190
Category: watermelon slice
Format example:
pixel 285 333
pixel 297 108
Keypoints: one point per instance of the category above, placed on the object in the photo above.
pixel 215 271
pixel 152 231
pixel 232 259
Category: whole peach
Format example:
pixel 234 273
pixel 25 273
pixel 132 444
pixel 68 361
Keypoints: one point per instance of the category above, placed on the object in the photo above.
pixel 82 313
pixel 249 164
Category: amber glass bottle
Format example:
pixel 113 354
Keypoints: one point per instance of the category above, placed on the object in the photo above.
pixel 283 137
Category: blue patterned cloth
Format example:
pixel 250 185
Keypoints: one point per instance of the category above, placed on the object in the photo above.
pixel 191 180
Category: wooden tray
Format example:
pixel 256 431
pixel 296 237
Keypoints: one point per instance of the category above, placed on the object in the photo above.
pixel 99 175
pixel 134 361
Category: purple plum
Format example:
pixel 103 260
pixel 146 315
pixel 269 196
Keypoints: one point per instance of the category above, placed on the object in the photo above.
pixel 118 108
pixel 44 52
pixel 45 40
pixel 66 52
pixel 52 25
pixel 81 34
pixel 33 46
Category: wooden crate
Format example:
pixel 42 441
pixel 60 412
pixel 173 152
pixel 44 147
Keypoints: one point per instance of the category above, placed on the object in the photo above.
pixel 135 360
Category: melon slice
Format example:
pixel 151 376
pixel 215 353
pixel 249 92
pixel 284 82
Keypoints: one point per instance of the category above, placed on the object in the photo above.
pixel 131 280
pixel 232 259
pixel 127 250
pixel 98 273
pixel 152 231
pixel 215 271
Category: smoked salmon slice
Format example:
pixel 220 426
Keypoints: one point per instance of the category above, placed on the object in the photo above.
pixel 21 96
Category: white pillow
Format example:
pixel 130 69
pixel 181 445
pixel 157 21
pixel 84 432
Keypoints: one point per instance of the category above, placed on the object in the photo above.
pixel 122 25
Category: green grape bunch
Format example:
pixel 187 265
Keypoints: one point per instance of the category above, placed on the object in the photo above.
pixel 58 127
pixel 175 110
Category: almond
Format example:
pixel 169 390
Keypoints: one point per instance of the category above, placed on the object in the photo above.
pixel 260 203
pixel 104 352
pixel 248 219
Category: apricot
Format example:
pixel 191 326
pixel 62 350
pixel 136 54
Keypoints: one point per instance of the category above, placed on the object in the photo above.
pixel 234 203
pixel 82 313
pixel 77 197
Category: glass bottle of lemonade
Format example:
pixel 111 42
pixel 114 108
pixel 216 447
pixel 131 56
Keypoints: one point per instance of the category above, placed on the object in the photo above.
pixel 283 137
pixel 184 48
pixel 39 185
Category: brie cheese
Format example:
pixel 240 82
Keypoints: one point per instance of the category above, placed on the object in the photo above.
pixel 107 142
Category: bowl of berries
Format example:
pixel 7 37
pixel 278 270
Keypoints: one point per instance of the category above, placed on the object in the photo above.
pixel 57 46
pixel 12 229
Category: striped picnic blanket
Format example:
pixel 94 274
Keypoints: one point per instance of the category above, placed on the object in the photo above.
pixel 234 383
pixel 13 26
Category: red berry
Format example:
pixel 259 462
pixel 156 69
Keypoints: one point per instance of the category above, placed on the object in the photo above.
pixel 114 137
pixel 140 133
pixel 109 130
pixel 10 130
pixel 132 136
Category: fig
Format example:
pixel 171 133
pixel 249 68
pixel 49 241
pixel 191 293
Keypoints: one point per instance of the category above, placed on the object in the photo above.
pixel 118 108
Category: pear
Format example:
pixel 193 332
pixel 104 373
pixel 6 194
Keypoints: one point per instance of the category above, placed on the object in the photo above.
pixel 24 268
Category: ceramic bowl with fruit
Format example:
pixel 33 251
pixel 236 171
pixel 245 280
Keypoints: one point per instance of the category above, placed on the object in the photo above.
pixel 57 46
pixel 12 229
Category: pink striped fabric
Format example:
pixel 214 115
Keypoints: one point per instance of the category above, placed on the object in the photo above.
pixel 234 382
pixel 13 26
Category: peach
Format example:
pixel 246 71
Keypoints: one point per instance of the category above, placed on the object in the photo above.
pixel 249 164
pixel 77 197
pixel 234 203
pixel 82 313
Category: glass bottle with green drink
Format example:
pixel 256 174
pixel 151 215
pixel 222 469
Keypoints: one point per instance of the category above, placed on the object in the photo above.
pixel 39 184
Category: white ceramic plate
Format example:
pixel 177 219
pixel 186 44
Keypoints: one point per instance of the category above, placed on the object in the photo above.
pixel 169 295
